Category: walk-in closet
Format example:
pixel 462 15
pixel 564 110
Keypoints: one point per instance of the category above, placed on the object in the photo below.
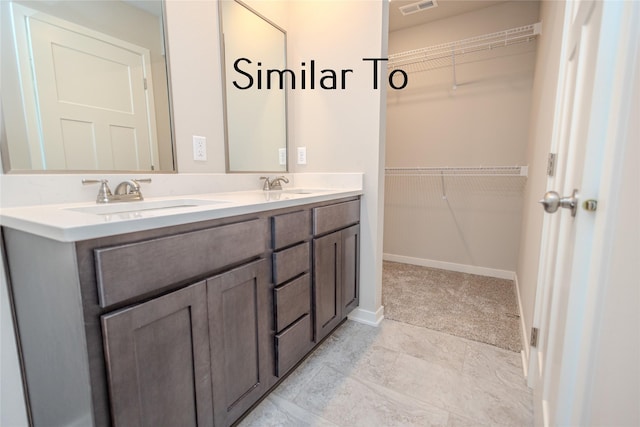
pixel 455 167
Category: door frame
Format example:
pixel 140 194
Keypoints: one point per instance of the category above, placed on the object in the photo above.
pixel 20 14
pixel 616 69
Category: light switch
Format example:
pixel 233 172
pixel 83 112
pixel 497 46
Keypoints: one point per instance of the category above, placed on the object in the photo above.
pixel 302 155
pixel 282 156
pixel 199 148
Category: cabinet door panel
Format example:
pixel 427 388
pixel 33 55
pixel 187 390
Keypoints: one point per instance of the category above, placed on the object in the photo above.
pixel 240 317
pixel 290 228
pixel 336 216
pixel 291 262
pixel 327 284
pixel 150 265
pixel 293 344
pixel 292 301
pixel 157 357
pixel 350 268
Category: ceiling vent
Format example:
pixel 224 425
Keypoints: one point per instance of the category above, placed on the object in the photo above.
pixel 418 6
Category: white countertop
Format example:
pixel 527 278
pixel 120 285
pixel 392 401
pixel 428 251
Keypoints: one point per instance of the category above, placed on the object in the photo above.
pixel 67 223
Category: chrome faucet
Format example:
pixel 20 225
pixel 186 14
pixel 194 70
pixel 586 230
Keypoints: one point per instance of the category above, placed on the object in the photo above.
pixel 126 191
pixel 274 184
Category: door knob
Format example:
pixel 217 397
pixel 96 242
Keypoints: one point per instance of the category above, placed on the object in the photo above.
pixel 552 201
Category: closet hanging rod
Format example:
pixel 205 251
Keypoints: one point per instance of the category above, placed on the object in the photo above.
pixel 465 46
pixel 459 171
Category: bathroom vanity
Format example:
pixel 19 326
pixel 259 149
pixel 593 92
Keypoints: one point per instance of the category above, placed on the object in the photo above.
pixel 122 321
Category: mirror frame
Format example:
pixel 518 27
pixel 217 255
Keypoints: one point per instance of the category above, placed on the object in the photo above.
pixel 4 145
pixel 223 69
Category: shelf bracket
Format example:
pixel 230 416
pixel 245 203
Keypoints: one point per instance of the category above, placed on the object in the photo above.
pixel 453 63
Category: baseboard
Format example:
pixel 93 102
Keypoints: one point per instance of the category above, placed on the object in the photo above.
pixel 452 266
pixel 525 364
pixel 372 318
pixel 523 331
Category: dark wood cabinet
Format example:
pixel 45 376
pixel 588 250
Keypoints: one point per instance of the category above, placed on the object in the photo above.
pixel 350 239
pixel 327 289
pixel 184 325
pixel 240 330
pixel 291 235
pixel 336 258
pixel 157 357
pixel 335 277
pixel 166 356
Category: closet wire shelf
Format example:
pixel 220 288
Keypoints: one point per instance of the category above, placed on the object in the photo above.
pixel 505 171
pixel 403 185
pixel 452 53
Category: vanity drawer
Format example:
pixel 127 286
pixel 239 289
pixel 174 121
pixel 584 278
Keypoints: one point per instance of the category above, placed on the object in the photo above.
pixel 290 228
pixel 292 301
pixel 293 344
pixel 291 262
pixel 335 217
pixel 127 271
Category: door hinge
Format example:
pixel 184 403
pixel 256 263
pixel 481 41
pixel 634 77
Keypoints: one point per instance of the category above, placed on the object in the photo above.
pixel 534 338
pixel 145 83
pixel 551 164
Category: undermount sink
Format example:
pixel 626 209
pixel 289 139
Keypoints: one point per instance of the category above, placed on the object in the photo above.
pixel 127 207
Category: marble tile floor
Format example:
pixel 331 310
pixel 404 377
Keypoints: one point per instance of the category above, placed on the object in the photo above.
pixel 399 375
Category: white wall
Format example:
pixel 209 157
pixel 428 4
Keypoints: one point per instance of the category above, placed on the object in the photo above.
pixel 12 407
pixel 615 387
pixel 343 130
pixel 483 122
pixel 538 146
pixel 196 85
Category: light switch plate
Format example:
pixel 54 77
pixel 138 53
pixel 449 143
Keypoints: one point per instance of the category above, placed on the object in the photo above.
pixel 199 148
pixel 282 156
pixel 302 155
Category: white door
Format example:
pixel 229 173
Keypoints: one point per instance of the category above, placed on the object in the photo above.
pixel 94 111
pixel 597 54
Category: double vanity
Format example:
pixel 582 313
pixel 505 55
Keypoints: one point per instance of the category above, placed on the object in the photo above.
pixel 176 311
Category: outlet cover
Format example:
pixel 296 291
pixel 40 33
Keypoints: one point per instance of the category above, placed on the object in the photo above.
pixel 199 148
pixel 302 155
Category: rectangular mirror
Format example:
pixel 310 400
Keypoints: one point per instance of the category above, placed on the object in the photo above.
pixel 85 87
pixel 255 116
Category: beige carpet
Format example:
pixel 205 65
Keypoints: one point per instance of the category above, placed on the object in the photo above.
pixel 475 307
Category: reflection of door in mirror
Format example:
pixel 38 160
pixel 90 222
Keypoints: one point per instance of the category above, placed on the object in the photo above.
pixel 91 91
pixel 256 116
pixel 85 101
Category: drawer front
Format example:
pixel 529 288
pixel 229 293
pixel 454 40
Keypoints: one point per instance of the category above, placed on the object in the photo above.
pixel 291 262
pixel 127 271
pixel 292 301
pixel 290 228
pixel 335 217
pixel 293 344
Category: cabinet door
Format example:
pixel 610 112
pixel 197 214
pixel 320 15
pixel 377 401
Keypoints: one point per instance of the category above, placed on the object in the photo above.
pixel 241 336
pixel 350 268
pixel 157 356
pixel 327 278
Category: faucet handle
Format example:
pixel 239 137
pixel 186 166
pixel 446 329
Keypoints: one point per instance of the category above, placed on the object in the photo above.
pixel 276 183
pixel 147 180
pixel 137 182
pixel 94 181
pixel 104 193
pixel 267 183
